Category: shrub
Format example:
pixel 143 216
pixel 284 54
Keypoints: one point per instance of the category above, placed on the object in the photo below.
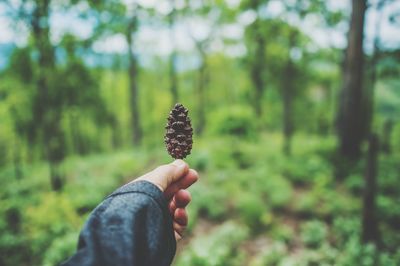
pixel 273 255
pixel 325 255
pixel 253 211
pixel 237 121
pixel 61 249
pixel 218 248
pixel 273 188
pixel 314 233
pixel 278 191
pixel 210 202
pixel 355 183
pixel 51 219
pixel 303 171
pixel 345 227
pixel 283 232
pixel 199 160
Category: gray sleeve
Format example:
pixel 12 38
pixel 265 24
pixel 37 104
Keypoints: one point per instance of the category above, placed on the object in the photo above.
pixel 132 226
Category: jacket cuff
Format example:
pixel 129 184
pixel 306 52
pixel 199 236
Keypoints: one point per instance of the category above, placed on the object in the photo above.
pixel 144 187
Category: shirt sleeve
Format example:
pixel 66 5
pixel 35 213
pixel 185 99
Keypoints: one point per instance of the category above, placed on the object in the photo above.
pixel 132 226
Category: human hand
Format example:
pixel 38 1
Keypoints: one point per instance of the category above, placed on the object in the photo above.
pixel 172 179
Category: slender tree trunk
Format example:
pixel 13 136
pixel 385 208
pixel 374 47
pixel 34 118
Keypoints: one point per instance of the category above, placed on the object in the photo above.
pixel 287 90
pixel 257 69
pixel 172 58
pixel 370 232
pixel 40 31
pixel 351 118
pixel 74 132
pixel 116 135
pixel 17 161
pixel 201 94
pixel 387 136
pixel 372 68
pixel 287 95
pixel 133 76
pixel 173 78
pixel 78 144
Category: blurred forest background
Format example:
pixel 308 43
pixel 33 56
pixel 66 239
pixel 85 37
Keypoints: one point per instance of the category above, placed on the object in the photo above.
pixel 295 106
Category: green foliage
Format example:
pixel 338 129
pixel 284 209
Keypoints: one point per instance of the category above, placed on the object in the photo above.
pixel 314 233
pixel 301 171
pixel 237 121
pixel 396 137
pixel 212 203
pixel 260 196
pixel 253 211
pixel 218 248
pixel 61 218
pixel 272 255
pixel 60 249
pixel 276 190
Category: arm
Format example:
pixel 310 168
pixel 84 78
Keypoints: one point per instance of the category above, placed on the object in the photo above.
pixel 139 223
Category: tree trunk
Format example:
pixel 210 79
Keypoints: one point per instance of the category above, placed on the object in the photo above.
pixel 387 136
pixel 201 94
pixel 287 95
pixel 172 59
pixel 351 117
pixel 370 232
pixel 257 68
pixel 40 31
pixel 372 68
pixel 133 76
pixel 287 90
pixel 17 161
pixel 173 78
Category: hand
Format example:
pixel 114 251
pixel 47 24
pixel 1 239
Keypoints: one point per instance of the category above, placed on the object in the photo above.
pixel 172 179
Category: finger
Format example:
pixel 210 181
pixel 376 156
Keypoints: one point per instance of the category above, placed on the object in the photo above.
pixel 172 207
pixel 181 217
pixel 182 198
pixel 191 177
pixel 179 229
pixel 164 175
pixel 178 237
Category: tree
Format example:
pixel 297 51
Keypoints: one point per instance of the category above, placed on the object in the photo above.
pixel 372 68
pixel 114 17
pixel 133 84
pixel 19 90
pixel 276 51
pixel 51 97
pixel 256 54
pixel 46 111
pixel 370 232
pixel 172 57
pixel 289 72
pixel 80 94
pixel 351 117
pixel 209 14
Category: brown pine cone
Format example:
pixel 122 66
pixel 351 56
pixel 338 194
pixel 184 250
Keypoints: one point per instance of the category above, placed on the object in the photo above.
pixel 179 132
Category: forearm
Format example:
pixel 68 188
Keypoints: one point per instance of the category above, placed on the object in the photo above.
pixel 130 227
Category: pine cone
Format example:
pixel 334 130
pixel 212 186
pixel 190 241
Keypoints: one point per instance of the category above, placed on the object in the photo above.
pixel 179 132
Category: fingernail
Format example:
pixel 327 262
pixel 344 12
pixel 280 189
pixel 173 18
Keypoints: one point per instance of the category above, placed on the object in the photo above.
pixel 179 163
pixel 181 166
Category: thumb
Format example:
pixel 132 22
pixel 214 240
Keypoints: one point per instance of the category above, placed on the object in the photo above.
pixel 165 175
